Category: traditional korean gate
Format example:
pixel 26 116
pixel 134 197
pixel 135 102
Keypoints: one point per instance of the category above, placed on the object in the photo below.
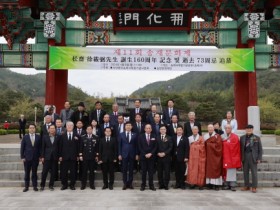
pixel 140 22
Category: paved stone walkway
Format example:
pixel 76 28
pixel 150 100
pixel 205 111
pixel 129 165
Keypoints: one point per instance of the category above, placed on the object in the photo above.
pixel 14 198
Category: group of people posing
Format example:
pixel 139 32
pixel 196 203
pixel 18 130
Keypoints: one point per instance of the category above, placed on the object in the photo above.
pixel 80 141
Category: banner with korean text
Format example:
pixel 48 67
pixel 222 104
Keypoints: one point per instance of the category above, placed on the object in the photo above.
pixel 151 59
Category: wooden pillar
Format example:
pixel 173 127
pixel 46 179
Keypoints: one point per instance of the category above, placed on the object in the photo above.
pixel 56 82
pixel 245 89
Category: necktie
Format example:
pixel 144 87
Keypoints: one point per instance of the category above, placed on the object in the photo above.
pixel 119 129
pixel 127 136
pixel 139 127
pixel 162 137
pixel 98 115
pixel 69 137
pixel 137 110
pixel 79 131
pixel 80 115
pixel 174 126
pixel 170 112
pixel 107 139
pixel 32 139
pixel 58 131
pixel 52 139
pixel 148 139
pixel 115 113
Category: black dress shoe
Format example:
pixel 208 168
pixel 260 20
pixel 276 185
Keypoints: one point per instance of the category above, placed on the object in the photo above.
pixel 142 188
pixel 63 188
pixel 226 188
pixel 200 188
pixel 124 187
pixel 104 187
pixel 72 188
pixel 217 188
pixel 177 186
pixel 161 187
pixel 92 187
pixel 131 187
pixel 25 189
pixel 110 187
pixel 83 187
pixel 51 188
pixel 42 188
pixel 152 188
pixel 35 189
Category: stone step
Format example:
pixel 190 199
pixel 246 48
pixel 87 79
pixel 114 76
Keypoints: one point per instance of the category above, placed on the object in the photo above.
pixel 19 166
pixel 274 157
pixel 118 183
pixel 19 175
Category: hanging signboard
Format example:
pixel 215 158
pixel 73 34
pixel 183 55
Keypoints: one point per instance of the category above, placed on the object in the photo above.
pixel 159 19
pixel 151 59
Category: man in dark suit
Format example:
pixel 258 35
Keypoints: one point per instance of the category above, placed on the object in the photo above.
pixel 165 146
pixel 22 124
pixel 30 151
pixel 168 112
pixel 189 125
pixel 156 125
pixel 251 153
pixel 171 129
pixel 108 154
pixel 60 130
pixel 128 144
pixel 98 113
pixel 80 114
pixel 106 124
pixel 147 146
pixel 89 157
pixel 138 126
pixel 181 156
pixel 119 127
pixel 136 110
pixel 114 115
pixel 49 157
pixel 68 156
pixel 45 127
pixel 79 131
pixel 151 114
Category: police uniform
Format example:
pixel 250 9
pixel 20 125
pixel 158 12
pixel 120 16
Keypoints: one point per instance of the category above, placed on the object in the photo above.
pixel 89 152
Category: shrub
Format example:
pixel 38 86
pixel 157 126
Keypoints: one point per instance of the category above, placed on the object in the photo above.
pixel 268 131
pixel 277 132
pixel 3 132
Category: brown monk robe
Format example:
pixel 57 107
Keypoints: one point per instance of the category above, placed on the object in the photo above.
pixel 197 160
pixel 214 159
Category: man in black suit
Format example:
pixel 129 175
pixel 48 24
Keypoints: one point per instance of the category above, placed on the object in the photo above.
pixel 98 113
pixel 106 124
pixel 171 129
pixel 114 115
pixel 22 124
pixel 30 151
pixel 68 156
pixel 189 125
pixel 168 112
pixel 138 126
pixel 181 156
pixel 49 157
pixel 80 114
pixel 165 146
pixel 89 157
pixel 60 129
pixel 119 127
pixel 151 115
pixel 128 144
pixel 45 127
pixel 147 146
pixel 136 110
pixel 156 125
pixel 79 131
pixel 108 154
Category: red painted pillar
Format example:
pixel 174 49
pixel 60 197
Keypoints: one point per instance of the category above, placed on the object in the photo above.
pixel 252 79
pixel 56 82
pixel 245 89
